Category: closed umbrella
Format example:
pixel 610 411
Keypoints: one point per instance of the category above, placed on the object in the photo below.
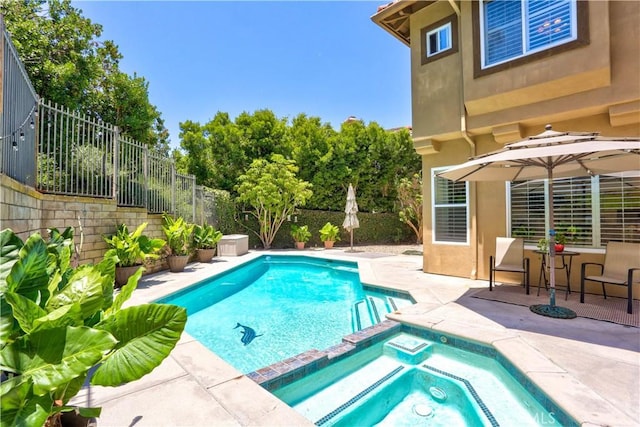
pixel 551 155
pixel 351 209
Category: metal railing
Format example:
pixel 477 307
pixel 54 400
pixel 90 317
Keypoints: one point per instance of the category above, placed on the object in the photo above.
pixel 80 156
pixel 56 150
pixel 17 121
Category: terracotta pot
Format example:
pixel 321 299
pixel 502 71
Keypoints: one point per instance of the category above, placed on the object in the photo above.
pixel 299 245
pixel 328 244
pixel 177 263
pixel 205 255
pixel 559 247
pixel 123 274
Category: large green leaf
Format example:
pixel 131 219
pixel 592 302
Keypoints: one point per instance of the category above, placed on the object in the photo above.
pixel 10 245
pixel 146 335
pixel 7 322
pixel 53 357
pixel 85 287
pixel 125 292
pixel 29 274
pixel 68 315
pixel 25 311
pixel 20 407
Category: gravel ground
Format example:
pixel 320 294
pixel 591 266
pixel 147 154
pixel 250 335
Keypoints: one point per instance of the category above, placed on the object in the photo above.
pixel 390 249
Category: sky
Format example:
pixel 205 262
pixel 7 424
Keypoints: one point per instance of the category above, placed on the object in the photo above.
pixel 323 58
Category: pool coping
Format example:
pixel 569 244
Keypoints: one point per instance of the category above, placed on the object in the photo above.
pixel 226 390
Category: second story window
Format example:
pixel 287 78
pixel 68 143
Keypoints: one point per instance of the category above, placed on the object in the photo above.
pixel 512 29
pixel 439 40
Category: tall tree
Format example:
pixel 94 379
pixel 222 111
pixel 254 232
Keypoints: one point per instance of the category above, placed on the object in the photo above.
pixel 69 65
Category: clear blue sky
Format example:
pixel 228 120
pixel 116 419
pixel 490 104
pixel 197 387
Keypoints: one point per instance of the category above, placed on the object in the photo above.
pixel 324 58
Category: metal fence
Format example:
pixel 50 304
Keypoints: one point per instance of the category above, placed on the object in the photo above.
pixel 17 121
pixel 59 151
pixel 78 155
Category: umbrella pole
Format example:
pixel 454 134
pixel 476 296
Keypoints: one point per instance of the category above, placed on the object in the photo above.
pixel 552 245
pixel 551 310
pixel 351 233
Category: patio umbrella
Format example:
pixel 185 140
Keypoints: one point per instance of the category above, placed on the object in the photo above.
pixel 351 209
pixel 551 155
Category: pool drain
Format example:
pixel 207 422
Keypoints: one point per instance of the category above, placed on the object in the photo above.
pixel 438 394
pixel 423 410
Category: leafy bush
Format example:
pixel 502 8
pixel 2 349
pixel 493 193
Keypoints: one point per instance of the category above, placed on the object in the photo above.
pixel 57 323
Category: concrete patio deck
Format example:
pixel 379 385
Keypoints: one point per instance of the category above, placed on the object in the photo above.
pixel 590 368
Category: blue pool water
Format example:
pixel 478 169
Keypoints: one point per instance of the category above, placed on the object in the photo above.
pixel 408 380
pixel 285 305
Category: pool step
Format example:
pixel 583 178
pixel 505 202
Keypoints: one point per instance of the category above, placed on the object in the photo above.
pixel 328 403
pixel 372 310
pixel 408 349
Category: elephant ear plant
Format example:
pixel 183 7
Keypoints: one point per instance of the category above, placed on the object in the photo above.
pixel 57 323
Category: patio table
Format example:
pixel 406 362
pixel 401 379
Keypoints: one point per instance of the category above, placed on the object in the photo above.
pixel 566 261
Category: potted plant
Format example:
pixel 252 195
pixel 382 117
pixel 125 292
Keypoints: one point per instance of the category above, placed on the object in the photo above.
pixel 329 234
pixel 301 235
pixel 179 241
pixel 63 325
pixel 205 239
pixel 131 249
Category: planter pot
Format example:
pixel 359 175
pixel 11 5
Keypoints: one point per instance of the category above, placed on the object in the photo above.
pixel 559 247
pixel 123 274
pixel 328 244
pixel 299 245
pixel 177 263
pixel 70 419
pixel 205 255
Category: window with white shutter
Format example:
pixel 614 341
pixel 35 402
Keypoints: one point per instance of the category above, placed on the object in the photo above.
pixel 512 29
pixel 450 210
pixel 591 211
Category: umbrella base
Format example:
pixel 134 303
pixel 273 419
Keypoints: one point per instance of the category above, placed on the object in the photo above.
pixel 553 311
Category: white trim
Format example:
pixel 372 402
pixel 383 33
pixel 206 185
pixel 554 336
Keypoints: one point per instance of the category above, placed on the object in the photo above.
pixel 436 31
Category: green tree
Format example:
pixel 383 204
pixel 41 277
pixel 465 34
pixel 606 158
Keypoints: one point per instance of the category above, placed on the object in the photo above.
pixel 410 198
pixel 68 65
pixel 273 191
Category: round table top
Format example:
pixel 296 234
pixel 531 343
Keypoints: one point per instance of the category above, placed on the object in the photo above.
pixel 563 253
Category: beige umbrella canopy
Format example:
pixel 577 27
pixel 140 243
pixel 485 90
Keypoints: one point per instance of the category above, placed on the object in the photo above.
pixel 351 209
pixel 551 155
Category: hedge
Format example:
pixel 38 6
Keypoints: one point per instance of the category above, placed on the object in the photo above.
pixel 375 228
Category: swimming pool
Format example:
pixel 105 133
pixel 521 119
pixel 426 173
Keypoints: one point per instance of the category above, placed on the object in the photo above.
pixel 278 306
pixel 410 379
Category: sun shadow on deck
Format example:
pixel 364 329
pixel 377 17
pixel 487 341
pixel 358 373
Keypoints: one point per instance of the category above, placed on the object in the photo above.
pixel 598 322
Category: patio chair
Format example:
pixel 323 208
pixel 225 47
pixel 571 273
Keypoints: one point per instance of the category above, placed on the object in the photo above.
pixel 621 261
pixel 509 257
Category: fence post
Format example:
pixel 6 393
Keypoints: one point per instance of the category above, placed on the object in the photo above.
pixel 145 170
pixel 193 198
pixel 173 188
pixel 116 162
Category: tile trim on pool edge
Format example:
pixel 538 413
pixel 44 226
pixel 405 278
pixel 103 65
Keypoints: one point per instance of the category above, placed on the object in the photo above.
pixel 472 390
pixel 357 397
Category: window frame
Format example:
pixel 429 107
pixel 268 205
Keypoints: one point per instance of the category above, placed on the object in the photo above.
pixel 451 20
pixel 581 25
pixel 434 207
pixel 446 27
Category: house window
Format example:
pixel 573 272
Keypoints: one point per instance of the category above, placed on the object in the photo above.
pixel 450 210
pixel 595 210
pixel 513 29
pixel 439 40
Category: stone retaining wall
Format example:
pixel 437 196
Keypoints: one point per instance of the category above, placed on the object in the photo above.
pixel 27 211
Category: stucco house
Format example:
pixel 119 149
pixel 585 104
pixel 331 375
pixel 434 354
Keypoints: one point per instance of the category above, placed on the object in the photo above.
pixel 488 72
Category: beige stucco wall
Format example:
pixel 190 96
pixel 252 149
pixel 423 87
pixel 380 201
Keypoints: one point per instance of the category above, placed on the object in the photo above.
pixel 27 211
pixel 590 88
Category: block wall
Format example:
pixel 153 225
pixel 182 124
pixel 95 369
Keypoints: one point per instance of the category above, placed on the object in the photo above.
pixel 27 211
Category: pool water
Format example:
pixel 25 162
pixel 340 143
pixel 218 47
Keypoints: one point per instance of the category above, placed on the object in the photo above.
pixel 276 307
pixel 408 381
